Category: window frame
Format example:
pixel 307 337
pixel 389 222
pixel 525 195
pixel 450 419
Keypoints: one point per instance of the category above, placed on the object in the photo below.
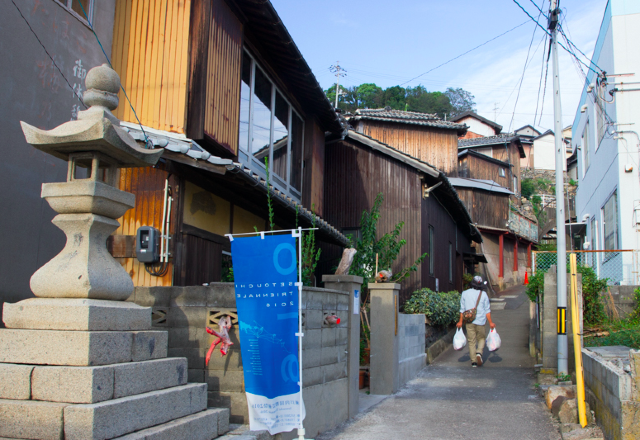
pixel 616 224
pixel 66 4
pixel 245 156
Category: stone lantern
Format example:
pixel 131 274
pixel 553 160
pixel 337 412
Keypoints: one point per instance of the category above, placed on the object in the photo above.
pixel 77 361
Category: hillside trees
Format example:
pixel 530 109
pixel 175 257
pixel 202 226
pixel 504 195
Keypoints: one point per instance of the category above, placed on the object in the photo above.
pixel 417 99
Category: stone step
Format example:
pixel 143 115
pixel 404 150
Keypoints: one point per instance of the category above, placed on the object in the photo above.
pixel 76 314
pixel 80 348
pixel 243 432
pixel 199 426
pixel 114 418
pixel 91 384
pixel 31 419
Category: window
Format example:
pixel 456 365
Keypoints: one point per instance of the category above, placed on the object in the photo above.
pixel 610 222
pixel 515 184
pixel 269 129
pixel 502 174
pixel 431 251
pixel 594 241
pixel 450 262
pixel 585 148
pixel 79 7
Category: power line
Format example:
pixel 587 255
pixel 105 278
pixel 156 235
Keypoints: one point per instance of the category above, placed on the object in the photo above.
pixel 524 69
pixel 471 50
pixel 47 52
pixel 560 44
pixel 544 90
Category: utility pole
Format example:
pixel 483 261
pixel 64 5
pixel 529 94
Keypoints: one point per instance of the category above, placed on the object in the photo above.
pixel 339 71
pixel 495 111
pixel 563 347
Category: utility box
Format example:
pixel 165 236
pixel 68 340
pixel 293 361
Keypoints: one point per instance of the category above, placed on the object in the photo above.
pixel 147 240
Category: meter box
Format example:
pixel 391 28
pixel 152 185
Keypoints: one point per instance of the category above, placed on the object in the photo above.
pixel 147 240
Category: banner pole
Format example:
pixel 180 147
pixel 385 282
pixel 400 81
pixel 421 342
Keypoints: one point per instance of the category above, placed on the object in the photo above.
pixel 301 432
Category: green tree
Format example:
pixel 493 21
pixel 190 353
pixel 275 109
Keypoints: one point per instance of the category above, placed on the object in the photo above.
pixel 419 99
pixel 394 97
pixel 460 100
pixel 369 96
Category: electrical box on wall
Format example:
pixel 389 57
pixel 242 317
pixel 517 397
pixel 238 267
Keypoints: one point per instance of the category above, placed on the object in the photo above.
pixel 147 240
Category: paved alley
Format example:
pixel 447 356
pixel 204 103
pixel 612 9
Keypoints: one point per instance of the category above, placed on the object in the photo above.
pixel 451 400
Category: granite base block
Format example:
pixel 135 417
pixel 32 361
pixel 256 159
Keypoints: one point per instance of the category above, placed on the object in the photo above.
pixel 30 419
pixel 199 426
pixel 15 381
pixel 113 418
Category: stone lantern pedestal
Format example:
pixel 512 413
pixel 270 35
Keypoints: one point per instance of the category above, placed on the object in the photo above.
pixel 77 362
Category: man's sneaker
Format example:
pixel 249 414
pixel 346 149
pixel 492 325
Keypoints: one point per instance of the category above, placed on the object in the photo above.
pixel 479 359
pixel 474 365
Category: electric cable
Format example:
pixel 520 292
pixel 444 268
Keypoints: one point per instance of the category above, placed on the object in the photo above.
pixel 50 57
pixel 542 72
pixel 559 44
pixel 470 50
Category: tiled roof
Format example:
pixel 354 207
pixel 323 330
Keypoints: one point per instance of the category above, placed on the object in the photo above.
pixel 471 114
pixel 488 140
pixel 179 148
pixel 414 118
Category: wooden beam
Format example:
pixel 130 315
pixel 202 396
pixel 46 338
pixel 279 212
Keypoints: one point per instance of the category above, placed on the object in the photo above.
pixel 501 256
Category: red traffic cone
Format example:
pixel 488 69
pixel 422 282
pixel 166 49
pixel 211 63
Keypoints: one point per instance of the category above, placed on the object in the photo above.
pixel 526 278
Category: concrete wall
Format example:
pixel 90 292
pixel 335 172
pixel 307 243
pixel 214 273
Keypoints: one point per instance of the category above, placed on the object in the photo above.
pixel 411 332
pixel 623 299
pixel 612 392
pixel 186 311
pixel 34 91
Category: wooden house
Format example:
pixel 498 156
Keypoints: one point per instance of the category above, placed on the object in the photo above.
pixel 489 186
pixel 505 147
pixel 420 135
pixel 478 125
pixel 358 167
pixel 221 86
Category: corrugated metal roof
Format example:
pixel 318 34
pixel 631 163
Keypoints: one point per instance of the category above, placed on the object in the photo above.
pixel 413 118
pixel 487 185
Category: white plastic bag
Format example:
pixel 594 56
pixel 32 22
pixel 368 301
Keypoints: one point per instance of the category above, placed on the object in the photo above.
pixel 459 340
pixel 493 340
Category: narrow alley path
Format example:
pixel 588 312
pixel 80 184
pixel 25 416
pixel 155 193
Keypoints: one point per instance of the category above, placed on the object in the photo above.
pixel 451 400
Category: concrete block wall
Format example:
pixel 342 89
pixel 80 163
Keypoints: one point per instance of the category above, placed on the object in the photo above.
pixel 623 298
pixel 411 337
pixel 612 394
pixel 186 311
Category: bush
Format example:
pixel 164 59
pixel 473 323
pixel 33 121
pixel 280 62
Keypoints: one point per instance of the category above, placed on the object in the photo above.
pixel 592 287
pixel 441 308
pixel 527 188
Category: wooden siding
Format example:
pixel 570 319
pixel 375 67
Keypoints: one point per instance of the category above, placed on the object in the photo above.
pixel 354 176
pixel 148 186
pixel 485 208
pixel 214 82
pixel 476 168
pixel 313 188
pixel 509 154
pixel 436 146
pixel 150 53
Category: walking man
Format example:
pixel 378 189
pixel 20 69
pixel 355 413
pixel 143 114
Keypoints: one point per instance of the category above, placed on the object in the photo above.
pixel 475 311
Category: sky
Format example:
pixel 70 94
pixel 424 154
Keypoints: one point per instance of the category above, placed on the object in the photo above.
pixel 391 43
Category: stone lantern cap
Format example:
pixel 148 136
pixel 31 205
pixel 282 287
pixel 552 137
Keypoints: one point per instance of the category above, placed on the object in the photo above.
pixel 97 130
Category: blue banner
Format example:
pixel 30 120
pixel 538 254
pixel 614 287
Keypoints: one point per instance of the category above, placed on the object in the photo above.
pixel 265 274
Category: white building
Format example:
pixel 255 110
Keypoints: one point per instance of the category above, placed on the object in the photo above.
pixel 605 133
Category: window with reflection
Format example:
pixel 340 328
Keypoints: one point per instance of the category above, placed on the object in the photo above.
pixel 269 128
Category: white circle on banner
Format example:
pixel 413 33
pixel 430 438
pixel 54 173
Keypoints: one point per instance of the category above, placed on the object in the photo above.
pixel 284 270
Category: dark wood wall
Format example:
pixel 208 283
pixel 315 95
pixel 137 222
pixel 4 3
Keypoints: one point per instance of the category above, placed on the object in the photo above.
pixel 474 167
pixel 436 146
pixel 509 154
pixel 354 175
pixel 485 208
pixel 445 231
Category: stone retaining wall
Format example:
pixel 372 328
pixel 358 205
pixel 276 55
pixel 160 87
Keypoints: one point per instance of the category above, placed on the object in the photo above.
pixel 611 391
pixel 186 311
pixel 411 332
pixel 623 298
